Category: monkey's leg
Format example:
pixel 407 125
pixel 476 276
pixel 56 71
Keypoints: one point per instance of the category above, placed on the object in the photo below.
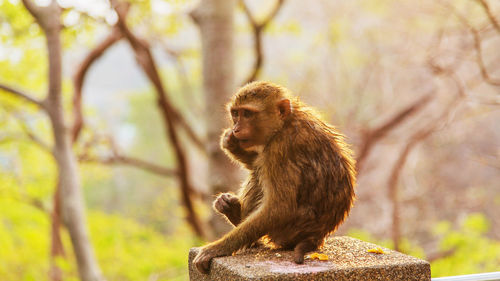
pixel 301 249
pixel 230 206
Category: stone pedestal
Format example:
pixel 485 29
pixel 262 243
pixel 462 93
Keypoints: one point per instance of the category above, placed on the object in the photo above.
pixel 348 259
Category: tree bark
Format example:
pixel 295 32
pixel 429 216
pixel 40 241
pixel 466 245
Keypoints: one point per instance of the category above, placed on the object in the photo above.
pixel 57 247
pixel 72 206
pixel 215 21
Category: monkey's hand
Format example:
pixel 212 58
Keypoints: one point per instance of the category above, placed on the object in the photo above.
pixel 204 258
pixel 229 141
pixel 230 206
pixel 232 146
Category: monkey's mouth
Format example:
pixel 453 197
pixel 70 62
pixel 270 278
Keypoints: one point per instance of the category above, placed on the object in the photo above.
pixel 245 142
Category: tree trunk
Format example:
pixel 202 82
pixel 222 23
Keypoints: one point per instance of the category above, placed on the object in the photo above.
pixel 71 199
pixel 57 248
pixel 215 20
pixel 72 207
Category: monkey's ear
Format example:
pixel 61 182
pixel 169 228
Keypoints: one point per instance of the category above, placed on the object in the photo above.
pixel 284 107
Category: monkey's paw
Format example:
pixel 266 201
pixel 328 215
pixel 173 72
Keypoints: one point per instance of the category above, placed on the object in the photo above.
pixel 229 141
pixel 227 204
pixel 203 259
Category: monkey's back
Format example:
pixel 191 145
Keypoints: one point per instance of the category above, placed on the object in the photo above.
pixel 320 179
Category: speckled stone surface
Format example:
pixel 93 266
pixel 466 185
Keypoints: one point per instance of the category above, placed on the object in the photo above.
pixel 348 260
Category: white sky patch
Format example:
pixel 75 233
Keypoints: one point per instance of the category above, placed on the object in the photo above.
pixel 66 3
pixel 95 8
pixel 126 135
pixel 43 3
pixel 162 7
pixel 71 18
pixel 14 55
pixel 5 28
pixel 3 52
pixel 111 17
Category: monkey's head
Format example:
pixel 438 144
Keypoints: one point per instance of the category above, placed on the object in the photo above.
pixel 258 110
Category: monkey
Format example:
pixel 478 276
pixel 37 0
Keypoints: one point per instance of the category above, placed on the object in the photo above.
pixel 301 180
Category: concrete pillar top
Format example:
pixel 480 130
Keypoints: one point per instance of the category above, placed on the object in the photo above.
pixel 348 259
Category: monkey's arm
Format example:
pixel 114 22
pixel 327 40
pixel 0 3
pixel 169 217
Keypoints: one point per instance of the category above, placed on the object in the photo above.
pixel 278 195
pixel 237 208
pixel 229 205
pixel 231 146
pixel 250 230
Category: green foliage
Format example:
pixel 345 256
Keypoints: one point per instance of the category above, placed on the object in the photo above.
pixel 36 168
pixel 24 241
pixel 126 250
pixel 158 18
pixel 22 42
pixel 129 251
pixel 473 250
pixel 16 24
pixel 405 245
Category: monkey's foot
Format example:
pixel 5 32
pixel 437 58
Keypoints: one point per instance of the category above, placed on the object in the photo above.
pixel 203 260
pixel 301 249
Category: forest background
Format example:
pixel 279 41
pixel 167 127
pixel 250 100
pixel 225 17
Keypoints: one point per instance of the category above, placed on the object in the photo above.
pixel 110 114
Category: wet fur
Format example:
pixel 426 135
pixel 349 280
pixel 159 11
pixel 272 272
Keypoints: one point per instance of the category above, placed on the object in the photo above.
pixel 301 184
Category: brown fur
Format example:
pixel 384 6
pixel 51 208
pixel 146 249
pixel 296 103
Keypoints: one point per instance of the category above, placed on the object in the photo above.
pixel 301 182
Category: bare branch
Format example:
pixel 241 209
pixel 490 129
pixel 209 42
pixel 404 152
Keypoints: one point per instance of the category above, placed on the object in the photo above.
pixel 480 61
pixel 22 138
pixel 257 33
pixel 47 16
pixel 394 178
pixel 477 45
pixel 170 115
pixel 488 12
pixel 11 138
pixel 371 137
pixel 176 55
pixel 56 247
pixel 79 78
pixel 273 13
pixel 38 141
pixel 129 161
pixel 22 95
pixel 416 138
pixel 249 15
pixel 34 10
pixel 117 158
pixel 189 131
pixel 267 19
pixel 401 116
pixel 487 162
pixel 30 134
pixel 440 255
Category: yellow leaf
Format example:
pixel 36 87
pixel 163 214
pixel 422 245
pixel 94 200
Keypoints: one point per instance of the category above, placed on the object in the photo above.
pixel 318 256
pixel 377 250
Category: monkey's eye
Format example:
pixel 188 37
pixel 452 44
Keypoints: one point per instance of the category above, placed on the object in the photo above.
pixel 234 113
pixel 247 113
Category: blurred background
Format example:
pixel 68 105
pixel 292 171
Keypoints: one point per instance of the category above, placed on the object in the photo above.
pixel 109 158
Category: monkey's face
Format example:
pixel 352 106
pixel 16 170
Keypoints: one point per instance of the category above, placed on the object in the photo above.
pixel 245 119
pixel 254 124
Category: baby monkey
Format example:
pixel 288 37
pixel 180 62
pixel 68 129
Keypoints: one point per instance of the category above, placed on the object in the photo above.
pixel 301 182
